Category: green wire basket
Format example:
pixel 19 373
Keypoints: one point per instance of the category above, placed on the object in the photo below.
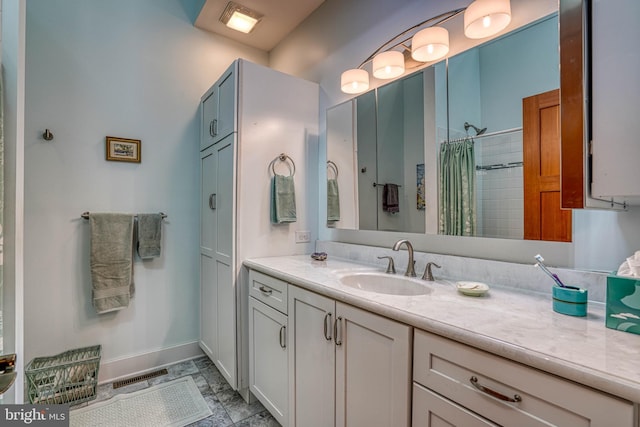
pixel 70 377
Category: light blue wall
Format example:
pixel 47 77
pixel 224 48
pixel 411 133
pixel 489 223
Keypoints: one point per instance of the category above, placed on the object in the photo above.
pixel 464 91
pixel 514 67
pixel 133 69
pixel 487 83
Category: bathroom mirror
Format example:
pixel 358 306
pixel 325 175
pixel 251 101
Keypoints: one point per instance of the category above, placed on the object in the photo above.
pixel 373 136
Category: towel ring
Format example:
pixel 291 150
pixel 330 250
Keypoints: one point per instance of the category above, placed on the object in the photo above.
pixel 283 158
pixel 331 165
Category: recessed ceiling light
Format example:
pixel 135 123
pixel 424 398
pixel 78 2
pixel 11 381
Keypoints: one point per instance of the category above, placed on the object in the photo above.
pixel 240 18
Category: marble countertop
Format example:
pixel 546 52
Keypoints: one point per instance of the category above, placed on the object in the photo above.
pixel 511 323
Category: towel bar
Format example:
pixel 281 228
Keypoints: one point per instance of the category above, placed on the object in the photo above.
pixel 375 184
pixel 85 215
pixel 283 158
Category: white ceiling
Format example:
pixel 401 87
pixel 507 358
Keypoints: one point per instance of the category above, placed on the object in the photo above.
pixel 280 18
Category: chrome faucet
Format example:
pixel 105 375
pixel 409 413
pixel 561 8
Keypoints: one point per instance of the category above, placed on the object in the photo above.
pixel 411 272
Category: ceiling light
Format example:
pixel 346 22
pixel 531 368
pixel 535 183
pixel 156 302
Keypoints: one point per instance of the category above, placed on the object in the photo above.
pixel 389 64
pixel 484 18
pixel 430 44
pixel 240 18
pixel 354 81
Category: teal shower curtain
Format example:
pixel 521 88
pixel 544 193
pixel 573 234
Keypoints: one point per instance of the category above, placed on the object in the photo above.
pixel 457 205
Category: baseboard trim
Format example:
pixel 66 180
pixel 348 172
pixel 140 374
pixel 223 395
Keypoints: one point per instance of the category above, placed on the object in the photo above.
pixel 134 365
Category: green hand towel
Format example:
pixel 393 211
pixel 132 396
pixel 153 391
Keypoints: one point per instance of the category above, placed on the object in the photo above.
pixel 283 199
pixel 149 235
pixel 333 200
pixel 111 260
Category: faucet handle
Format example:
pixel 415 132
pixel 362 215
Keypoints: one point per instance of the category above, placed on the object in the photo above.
pixel 391 268
pixel 427 271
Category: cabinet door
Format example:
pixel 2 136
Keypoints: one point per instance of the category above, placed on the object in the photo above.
pixel 218 110
pixel 373 369
pixel 218 301
pixel 208 302
pixel 268 369
pixel 224 122
pixel 312 359
pixel 433 410
pixel 224 223
pixel 208 111
pixel 208 284
pixel 616 99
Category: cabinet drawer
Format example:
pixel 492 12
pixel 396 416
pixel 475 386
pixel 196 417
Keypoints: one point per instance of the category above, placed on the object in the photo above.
pixel 269 290
pixel 432 410
pixel 537 398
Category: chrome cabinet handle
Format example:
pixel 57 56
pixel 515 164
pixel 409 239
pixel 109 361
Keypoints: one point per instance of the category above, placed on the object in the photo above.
pixel 327 326
pixel 211 128
pixel 336 325
pixel 283 342
pixel 212 201
pixel 215 127
pixel 474 382
pixel 265 291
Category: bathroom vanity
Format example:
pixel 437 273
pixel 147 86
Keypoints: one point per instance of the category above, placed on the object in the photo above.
pixel 502 359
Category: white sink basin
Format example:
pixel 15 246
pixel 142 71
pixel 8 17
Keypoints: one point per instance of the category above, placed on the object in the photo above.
pixel 383 283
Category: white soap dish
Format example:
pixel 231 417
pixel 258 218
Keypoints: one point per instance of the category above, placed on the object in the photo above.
pixel 474 289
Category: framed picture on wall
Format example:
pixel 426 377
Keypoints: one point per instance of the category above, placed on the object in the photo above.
pixel 123 149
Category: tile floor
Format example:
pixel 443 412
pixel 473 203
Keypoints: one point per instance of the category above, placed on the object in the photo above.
pixel 229 409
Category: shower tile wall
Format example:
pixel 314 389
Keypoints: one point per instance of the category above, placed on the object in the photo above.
pixel 500 203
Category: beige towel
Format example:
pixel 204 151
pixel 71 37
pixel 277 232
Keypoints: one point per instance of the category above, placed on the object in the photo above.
pixel 111 260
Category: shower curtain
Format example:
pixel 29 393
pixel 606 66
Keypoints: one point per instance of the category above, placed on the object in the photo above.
pixel 457 206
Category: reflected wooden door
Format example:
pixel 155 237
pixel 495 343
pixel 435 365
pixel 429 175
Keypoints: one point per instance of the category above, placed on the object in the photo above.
pixel 543 217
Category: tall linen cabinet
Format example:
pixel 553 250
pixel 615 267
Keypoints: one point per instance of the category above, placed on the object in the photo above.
pixel 248 117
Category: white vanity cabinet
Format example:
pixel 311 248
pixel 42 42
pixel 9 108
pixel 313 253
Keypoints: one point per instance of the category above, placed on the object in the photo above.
pixel 268 349
pixel 467 386
pixel 348 367
pixel 249 116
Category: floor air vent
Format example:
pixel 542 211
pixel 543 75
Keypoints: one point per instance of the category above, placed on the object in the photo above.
pixel 138 378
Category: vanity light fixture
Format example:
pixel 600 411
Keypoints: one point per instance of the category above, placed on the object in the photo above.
pixel 354 81
pixel 430 44
pixel 484 18
pixel 240 18
pixel 388 65
pixel 427 42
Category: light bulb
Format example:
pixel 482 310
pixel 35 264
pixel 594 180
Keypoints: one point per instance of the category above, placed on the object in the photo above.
pixel 486 21
pixel 430 49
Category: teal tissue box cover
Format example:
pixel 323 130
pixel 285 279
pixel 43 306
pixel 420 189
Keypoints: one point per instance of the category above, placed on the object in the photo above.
pixel 623 304
pixel 572 302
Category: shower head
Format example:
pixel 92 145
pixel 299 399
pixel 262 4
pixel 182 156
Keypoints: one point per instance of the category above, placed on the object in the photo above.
pixel 468 125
